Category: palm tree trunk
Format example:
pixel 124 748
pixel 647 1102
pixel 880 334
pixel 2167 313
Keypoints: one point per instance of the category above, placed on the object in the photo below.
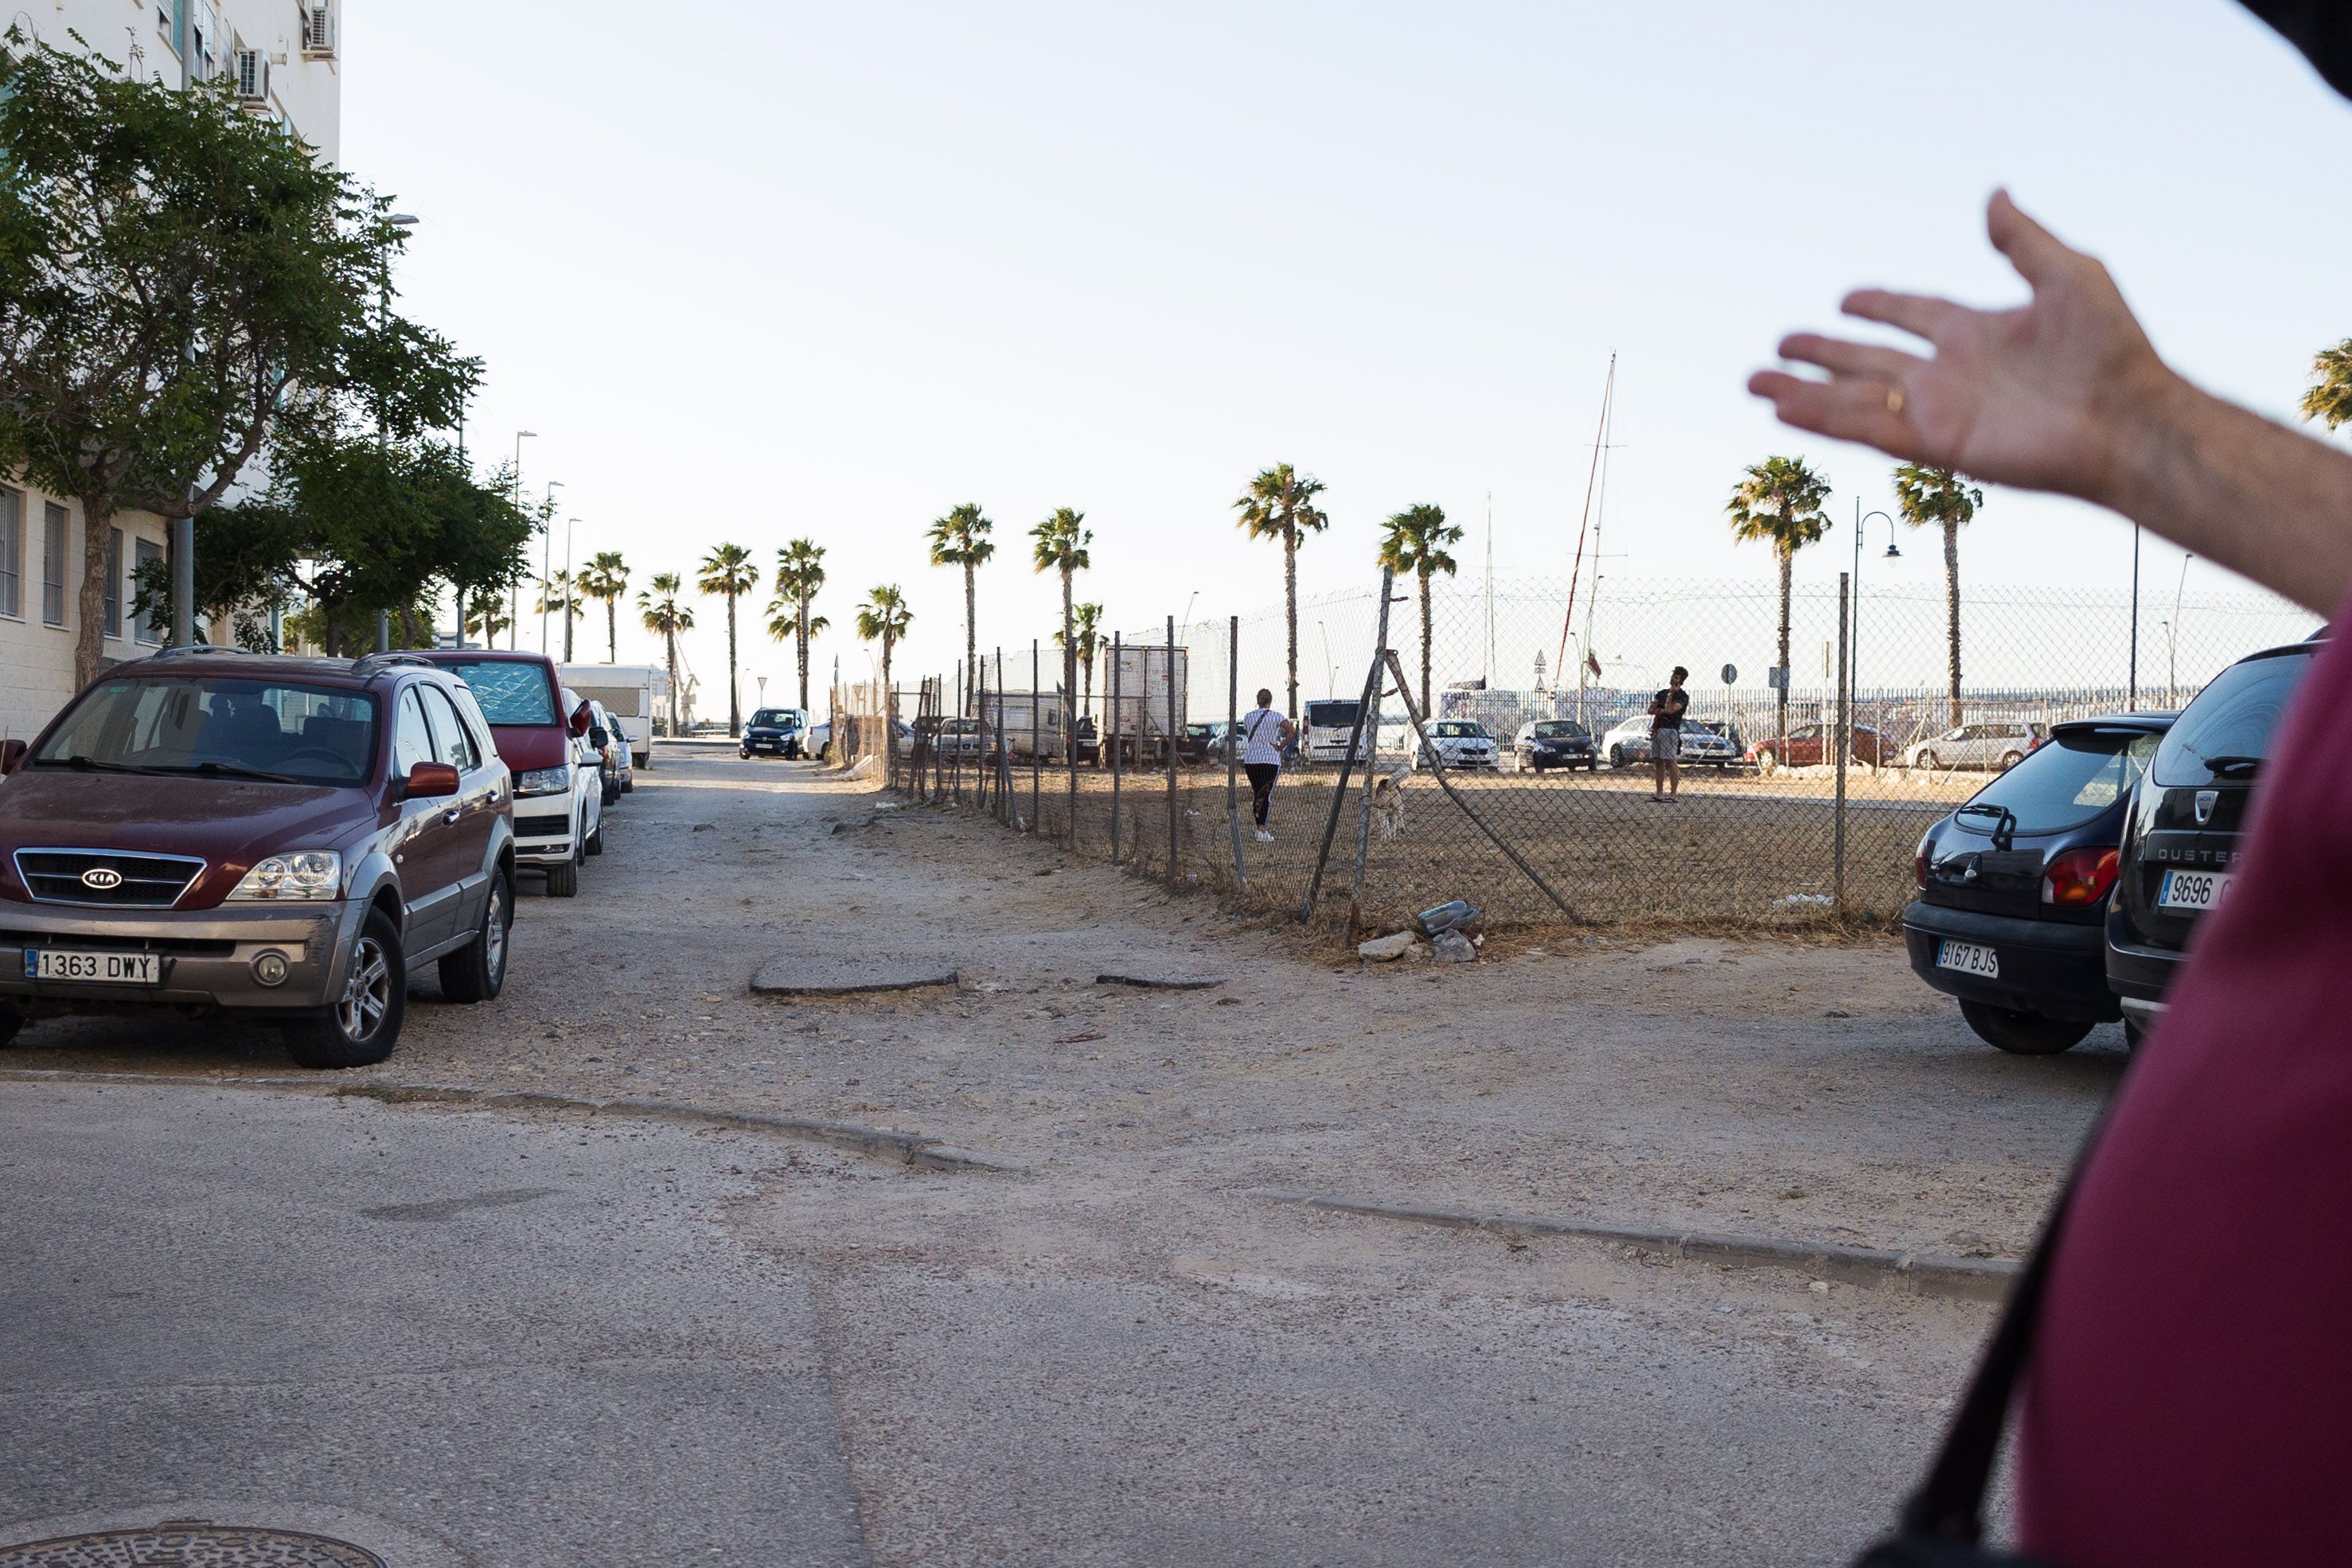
pixel 1290 608
pixel 1070 671
pixel 1787 572
pixel 734 709
pixel 613 630
pixel 567 626
pixel 670 641
pixel 801 631
pixel 1424 644
pixel 1952 609
pixel 970 618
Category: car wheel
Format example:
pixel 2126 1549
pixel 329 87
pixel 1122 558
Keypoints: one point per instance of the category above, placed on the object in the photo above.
pixel 1929 760
pixel 594 843
pixel 2010 759
pixel 477 971
pixel 363 1024
pixel 629 783
pixel 564 881
pixel 1767 763
pixel 745 754
pixel 1616 756
pixel 2024 1033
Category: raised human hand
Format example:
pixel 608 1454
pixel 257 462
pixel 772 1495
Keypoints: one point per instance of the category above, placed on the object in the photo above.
pixel 2044 396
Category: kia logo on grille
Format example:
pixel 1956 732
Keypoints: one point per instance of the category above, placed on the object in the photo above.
pixel 101 878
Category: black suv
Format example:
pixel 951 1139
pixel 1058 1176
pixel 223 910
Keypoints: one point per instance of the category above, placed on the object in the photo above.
pixel 2182 839
pixel 2012 886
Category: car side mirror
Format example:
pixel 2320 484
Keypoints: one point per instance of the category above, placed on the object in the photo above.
pixel 598 737
pixel 580 720
pixel 12 756
pixel 431 781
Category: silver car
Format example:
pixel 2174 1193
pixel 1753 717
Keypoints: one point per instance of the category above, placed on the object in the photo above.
pixel 1991 747
pixel 1461 743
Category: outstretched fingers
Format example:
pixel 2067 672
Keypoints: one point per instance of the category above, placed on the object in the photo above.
pixel 1921 315
pixel 2038 254
pixel 1843 356
pixel 1850 408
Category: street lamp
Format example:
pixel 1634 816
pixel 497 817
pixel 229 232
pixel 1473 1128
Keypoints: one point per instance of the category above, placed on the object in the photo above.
pixel 1853 628
pixel 2171 633
pixel 514 613
pixel 546 558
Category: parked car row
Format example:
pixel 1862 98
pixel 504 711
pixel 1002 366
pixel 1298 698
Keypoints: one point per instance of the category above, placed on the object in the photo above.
pixel 285 840
pixel 2063 894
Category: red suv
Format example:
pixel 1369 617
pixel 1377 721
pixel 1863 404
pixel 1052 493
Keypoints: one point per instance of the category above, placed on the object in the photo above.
pixel 208 831
pixel 537 725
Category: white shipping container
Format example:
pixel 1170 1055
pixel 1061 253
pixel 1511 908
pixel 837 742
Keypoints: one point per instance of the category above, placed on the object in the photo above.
pixel 1029 723
pixel 1141 681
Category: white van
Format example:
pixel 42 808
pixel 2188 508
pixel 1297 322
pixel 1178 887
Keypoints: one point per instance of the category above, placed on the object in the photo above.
pixel 1324 736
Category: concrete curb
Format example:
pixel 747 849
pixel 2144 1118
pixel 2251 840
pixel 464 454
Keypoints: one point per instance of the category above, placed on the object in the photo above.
pixel 1920 1274
pixel 905 1148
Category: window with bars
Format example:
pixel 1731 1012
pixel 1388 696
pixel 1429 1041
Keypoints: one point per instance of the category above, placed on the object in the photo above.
pixel 53 564
pixel 142 624
pixel 115 581
pixel 11 552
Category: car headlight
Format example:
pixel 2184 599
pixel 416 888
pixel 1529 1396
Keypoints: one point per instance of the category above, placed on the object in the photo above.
pixel 304 874
pixel 544 780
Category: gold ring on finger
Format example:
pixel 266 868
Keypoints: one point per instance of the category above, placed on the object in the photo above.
pixel 1894 400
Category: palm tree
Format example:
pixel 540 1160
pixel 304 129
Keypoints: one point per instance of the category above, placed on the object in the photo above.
pixel 730 571
pixel 1086 631
pixel 485 613
pixel 960 539
pixel 885 618
pixel 1061 546
pixel 786 621
pixel 1778 502
pixel 1937 496
pixel 800 572
pixel 1279 504
pixel 559 594
pixel 2329 400
pixel 666 618
pixel 606 577
pixel 1415 542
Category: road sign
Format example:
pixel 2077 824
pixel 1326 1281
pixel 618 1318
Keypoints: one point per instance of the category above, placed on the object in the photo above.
pixel 1777 678
pixel 1730 674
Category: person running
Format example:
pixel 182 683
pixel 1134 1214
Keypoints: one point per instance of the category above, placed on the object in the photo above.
pixel 1265 734
pixel 1667 710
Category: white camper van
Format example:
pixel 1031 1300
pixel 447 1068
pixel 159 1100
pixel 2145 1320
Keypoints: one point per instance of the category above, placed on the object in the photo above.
pixel 636 694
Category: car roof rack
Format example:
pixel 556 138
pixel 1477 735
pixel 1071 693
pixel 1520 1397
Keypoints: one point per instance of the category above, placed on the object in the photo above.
pixel 367 661
pixel 185 647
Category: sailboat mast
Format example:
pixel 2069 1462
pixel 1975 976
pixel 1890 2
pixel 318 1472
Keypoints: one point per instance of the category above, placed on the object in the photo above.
pixel 1487 668
pixel 1592 479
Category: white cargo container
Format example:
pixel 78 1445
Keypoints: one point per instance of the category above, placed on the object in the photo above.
pixel 1138 716
pixel 1029 723
pixel 636 694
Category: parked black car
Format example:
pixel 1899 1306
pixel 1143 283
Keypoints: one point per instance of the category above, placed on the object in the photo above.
pixel 1543 744
pixel 2183 835
pixel 775 732
pixel 2013 887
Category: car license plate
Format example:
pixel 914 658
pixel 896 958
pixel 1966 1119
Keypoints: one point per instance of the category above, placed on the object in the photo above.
pixel 105 968
pixel 2191 889
pixel 1968 959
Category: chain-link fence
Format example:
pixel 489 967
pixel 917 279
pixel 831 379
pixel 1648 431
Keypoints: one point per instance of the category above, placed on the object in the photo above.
pixel 1503 754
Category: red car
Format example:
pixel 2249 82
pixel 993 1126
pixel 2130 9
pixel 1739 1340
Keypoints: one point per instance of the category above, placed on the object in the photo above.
pixel 1815 745
pixel 558 788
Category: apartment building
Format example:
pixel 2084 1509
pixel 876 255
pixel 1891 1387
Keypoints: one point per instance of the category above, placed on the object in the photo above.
pixel 284 58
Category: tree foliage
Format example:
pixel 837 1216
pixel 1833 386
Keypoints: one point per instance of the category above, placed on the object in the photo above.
pixel 1415 543
pixel 1940 499
pixel 1778 502
pixel 1279 503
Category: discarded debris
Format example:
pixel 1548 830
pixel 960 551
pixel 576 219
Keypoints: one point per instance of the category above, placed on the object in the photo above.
pixel 1446 917
pixel 1382 949
pixel 1804 902
pixel 1452 947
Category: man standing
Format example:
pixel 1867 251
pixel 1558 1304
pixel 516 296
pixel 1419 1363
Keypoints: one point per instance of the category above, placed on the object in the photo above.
pixel 1666 710
pixel 1265 735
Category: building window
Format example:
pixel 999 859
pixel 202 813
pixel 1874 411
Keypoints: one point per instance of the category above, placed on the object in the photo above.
pixel 53 564
pixel 115 581
pixel 12 553
pixel 143 625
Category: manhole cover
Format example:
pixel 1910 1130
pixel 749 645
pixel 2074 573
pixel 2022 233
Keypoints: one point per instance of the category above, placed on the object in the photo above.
pixel 189 1544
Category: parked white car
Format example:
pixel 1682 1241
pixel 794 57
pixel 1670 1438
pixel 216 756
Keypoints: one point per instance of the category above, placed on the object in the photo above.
pixel 1461 743
pixel 1994 747
pixel 1705 744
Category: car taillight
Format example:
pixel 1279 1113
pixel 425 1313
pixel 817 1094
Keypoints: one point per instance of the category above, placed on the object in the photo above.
pixel 1919 864
pixel 2079 878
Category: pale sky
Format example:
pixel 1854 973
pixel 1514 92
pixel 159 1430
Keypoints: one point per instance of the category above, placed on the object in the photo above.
pixel 759 270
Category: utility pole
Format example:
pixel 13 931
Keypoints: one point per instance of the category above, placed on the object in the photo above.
pixel 514 613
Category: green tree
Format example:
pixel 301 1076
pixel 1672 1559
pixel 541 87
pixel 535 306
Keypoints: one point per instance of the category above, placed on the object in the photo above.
pixel 1778 502
pixel 730 571
pixel 182 285
pixel 666 618
pixel 1279 503
pixel 960 539
pixel 1937 497
pixel 1086 631
pixel 486 611
pixel 1413 544
pixel 2329 399
pixel 800 572
pixel 884 618
pixel 606 577
pixel 1059 545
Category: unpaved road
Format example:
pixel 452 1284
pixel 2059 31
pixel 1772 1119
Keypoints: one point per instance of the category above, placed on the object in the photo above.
pixel 1123 1357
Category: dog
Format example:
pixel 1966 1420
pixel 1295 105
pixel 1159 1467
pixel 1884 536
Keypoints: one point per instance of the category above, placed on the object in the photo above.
pixel 1388 804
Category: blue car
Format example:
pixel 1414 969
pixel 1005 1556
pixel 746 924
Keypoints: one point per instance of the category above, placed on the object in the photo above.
pixel 2013 887
pixel 775 732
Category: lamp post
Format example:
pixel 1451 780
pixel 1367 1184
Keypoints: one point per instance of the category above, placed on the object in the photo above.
pixel 514 613
pixel 546 557
pixel 1853 624
pixel 570 594
pixel 2172 634
pixel 384 308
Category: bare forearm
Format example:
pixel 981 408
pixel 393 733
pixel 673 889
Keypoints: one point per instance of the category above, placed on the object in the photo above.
pixel 2265 500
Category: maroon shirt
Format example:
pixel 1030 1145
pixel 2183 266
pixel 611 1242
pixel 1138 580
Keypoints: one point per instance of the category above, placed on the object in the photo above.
pixel 2189 1399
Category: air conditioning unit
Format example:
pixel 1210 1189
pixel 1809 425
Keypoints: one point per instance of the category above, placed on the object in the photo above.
pixel 252 76
pixel 319 32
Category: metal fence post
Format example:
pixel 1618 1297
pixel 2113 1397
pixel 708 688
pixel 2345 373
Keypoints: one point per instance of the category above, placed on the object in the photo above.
pixel 1233 746
pixel 1070 731
pixel 980 736
pixel 1112 735
pixel 1371 755
pixel 1036 734
pixel 955 762
pixel 1005 812
pixel 1173 726
pixel 1845 745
